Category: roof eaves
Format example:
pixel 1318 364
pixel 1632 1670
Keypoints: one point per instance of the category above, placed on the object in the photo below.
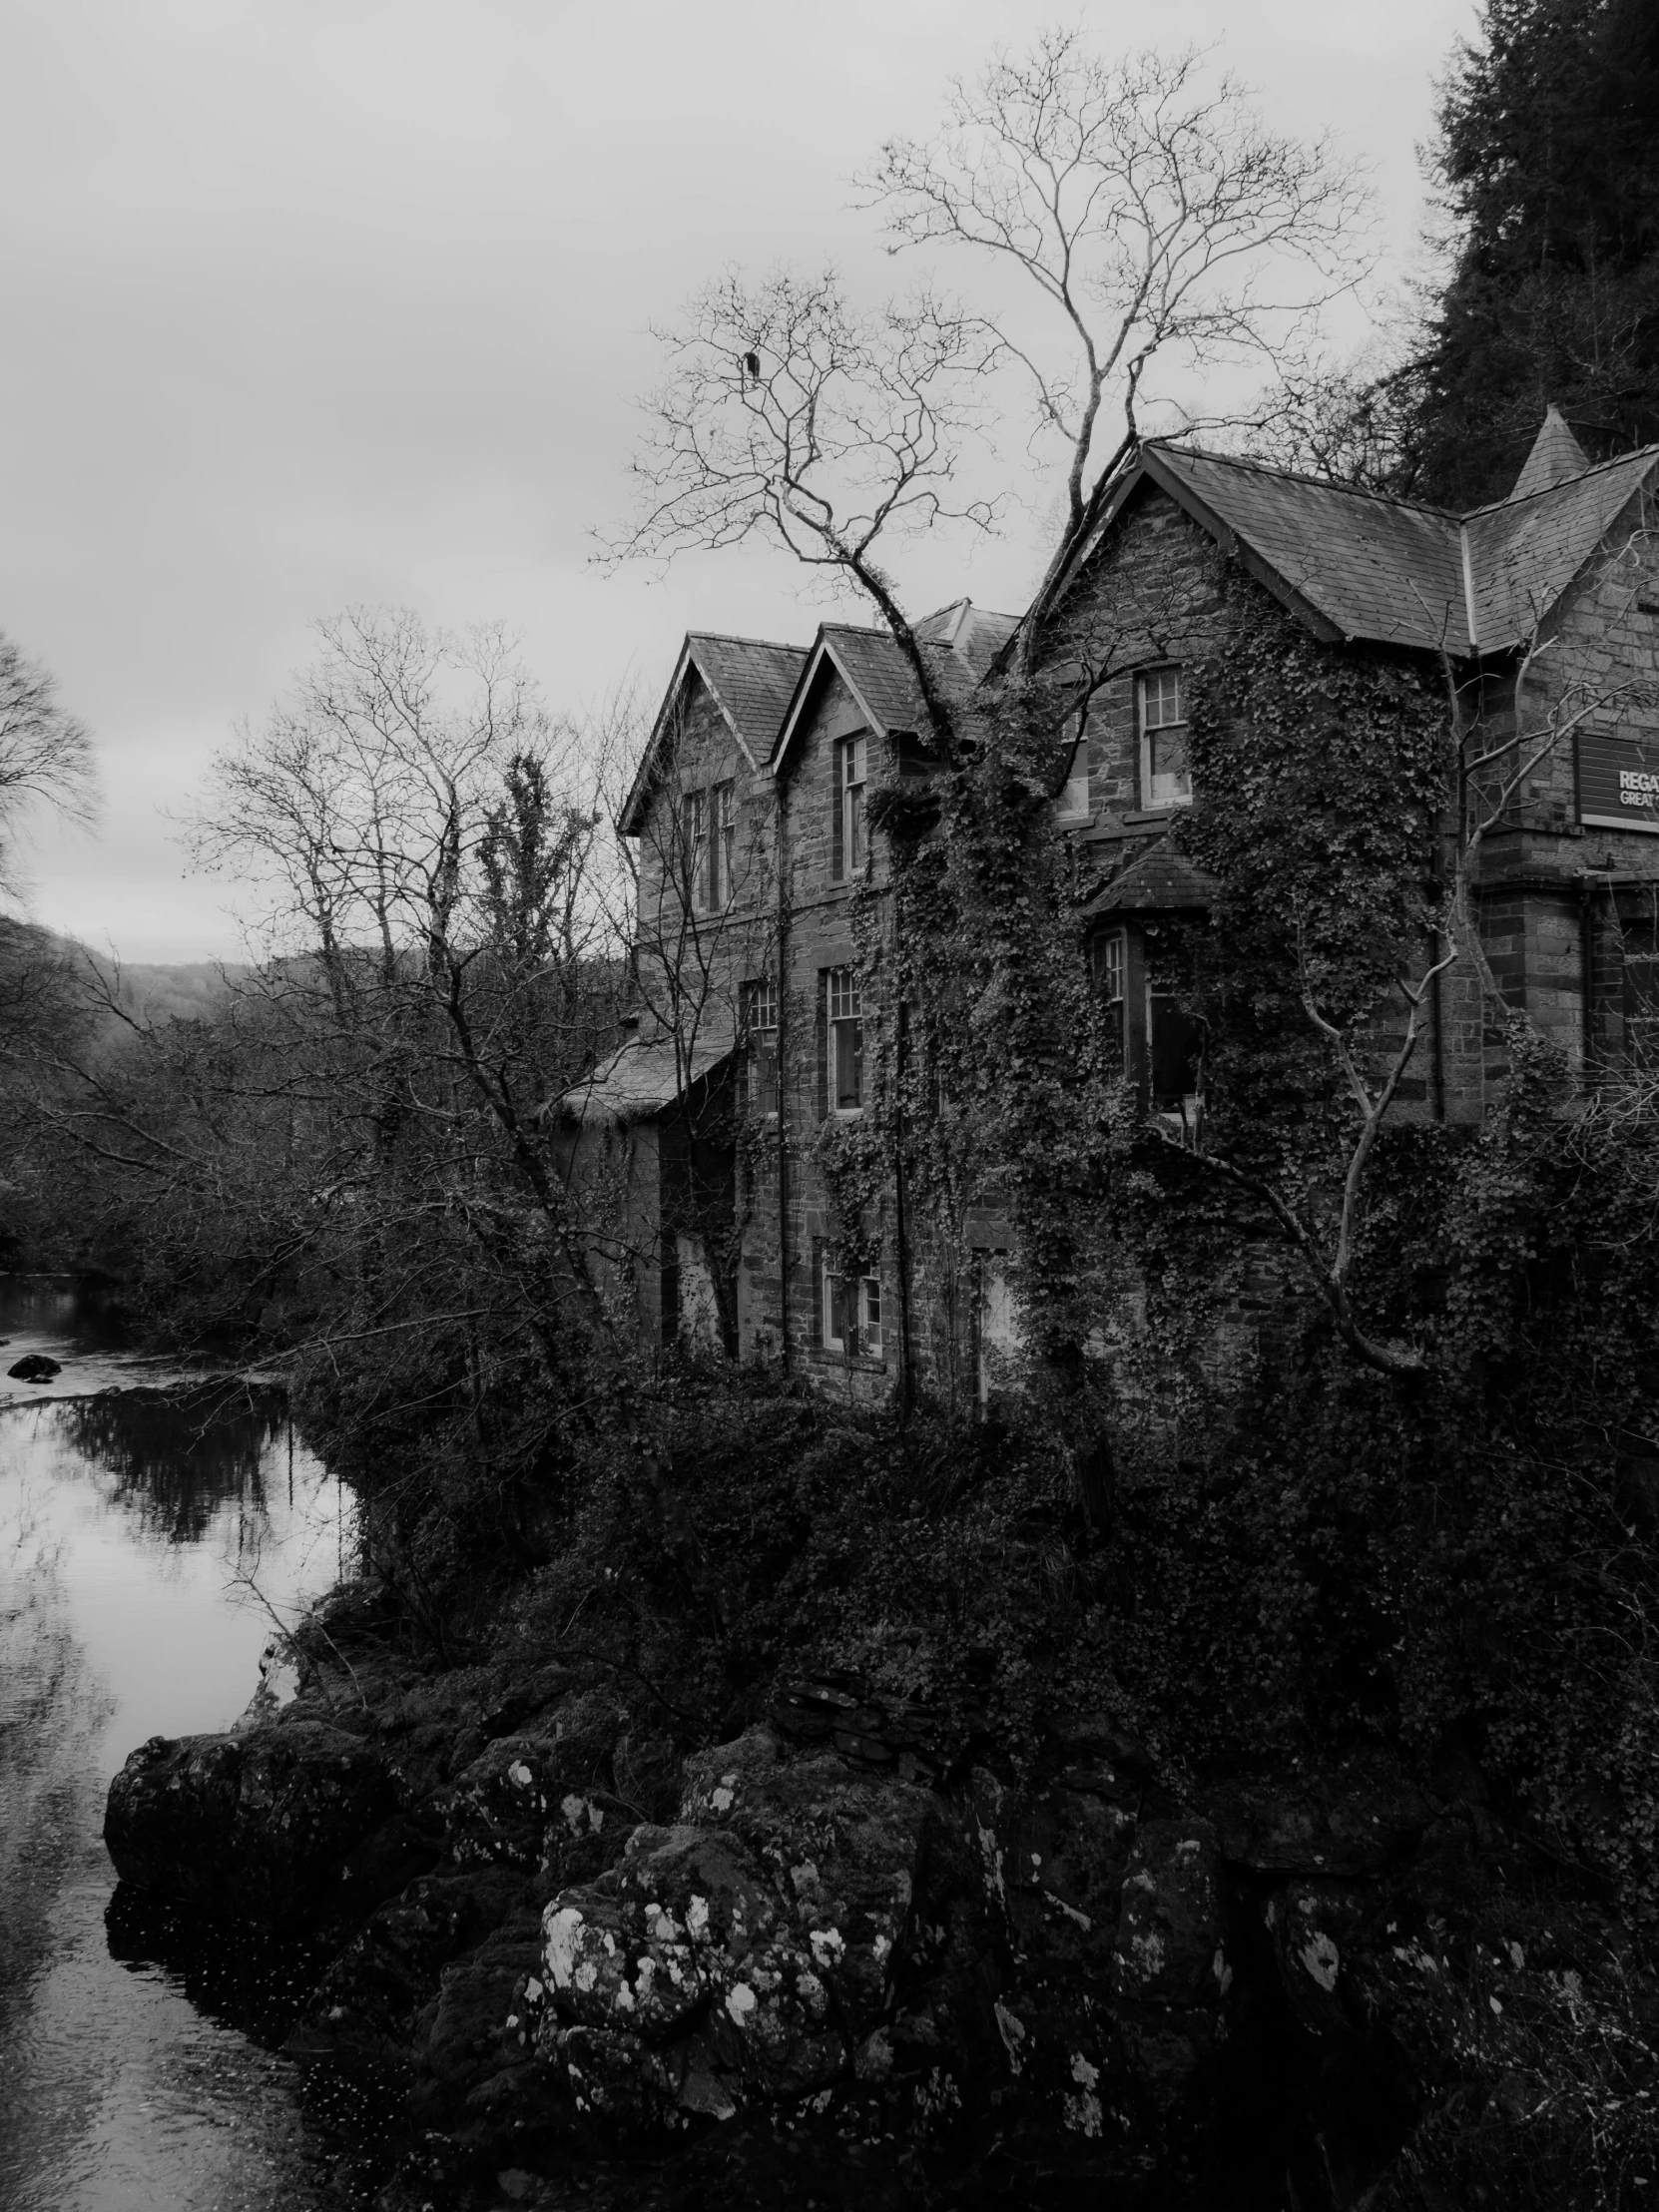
pixel 707 674
pixel 629 820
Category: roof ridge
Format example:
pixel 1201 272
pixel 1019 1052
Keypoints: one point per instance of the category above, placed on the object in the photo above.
pixel 730 636
pixel 1303 476
pixel 1596 468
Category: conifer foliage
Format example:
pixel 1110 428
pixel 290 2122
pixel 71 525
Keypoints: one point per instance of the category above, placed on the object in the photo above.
pixel 1548 161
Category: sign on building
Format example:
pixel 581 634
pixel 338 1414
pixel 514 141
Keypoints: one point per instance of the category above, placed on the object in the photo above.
pixel 1618 781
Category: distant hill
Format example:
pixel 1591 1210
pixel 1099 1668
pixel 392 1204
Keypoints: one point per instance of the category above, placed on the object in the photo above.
pixel 188 990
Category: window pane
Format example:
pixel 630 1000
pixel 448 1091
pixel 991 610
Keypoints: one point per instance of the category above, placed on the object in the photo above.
pixel 1177 1041
pixel 1161 697
pixel 1108 955
pixel 855 827
pixel 1170 782
pixel 848 1046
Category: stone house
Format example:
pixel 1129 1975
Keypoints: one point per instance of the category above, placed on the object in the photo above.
pixel 763 887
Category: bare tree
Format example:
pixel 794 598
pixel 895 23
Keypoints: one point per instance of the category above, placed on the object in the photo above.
pixel 46 755
pixel 787 414
pixel 1156 216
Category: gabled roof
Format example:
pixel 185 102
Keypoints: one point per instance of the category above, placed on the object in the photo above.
pixel 641 1078
pixel 1373 568
pixel 960 641
pixel 751 681
pixel 1358 564
pixel 1525 551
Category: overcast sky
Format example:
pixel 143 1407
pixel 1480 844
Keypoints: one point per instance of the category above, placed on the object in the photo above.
pixel 315 303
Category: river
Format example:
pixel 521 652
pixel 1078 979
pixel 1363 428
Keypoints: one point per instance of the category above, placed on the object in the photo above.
pixel 147 1543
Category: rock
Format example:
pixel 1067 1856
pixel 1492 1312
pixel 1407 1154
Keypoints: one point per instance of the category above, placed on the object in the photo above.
pixel 1317 1928
pixel 35 1366
pixel 372 1994
pixel 749 1950
pixel 1169 1947
pixel 257 1825
pixel 499 1806
pixel 482 2023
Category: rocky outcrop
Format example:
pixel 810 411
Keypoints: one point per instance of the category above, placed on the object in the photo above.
pixel 840 1932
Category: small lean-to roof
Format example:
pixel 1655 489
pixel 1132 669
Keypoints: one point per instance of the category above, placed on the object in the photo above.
pixel 751 681
pixel 1159 881
pixel 641 1079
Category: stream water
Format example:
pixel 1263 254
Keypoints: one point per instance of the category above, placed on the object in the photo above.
pixel 145 1543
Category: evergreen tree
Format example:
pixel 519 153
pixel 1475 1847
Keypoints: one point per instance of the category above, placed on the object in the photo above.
pixel 1548 157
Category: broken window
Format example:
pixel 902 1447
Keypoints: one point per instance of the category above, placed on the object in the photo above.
pixel 851 1314
pixel 1165 777
pixel 760 1015
pixel 845 1012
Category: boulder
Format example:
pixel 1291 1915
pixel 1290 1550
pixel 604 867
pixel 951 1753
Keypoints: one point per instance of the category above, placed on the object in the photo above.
pixel 258 1826
pixel 748 1951
pixel 35 1366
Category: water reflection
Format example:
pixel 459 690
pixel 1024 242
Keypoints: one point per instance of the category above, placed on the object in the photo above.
pixel 180 1458
pixel 146 1544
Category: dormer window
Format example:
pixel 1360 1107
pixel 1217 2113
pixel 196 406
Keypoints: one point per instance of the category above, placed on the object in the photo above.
pixel 1165 777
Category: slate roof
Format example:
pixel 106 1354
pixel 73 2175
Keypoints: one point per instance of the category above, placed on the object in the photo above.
pixel 1374 568
pixel 1524 552
pixel 961 642
pixel 1556 457
pixel 1159 881
pixel 751 680
pixel 1357 564
pixel 640 1079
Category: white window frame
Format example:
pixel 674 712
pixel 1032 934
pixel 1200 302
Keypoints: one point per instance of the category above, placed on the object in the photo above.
pixel 855 767
pixel 867 1321
pixel 1112 980
pixel 761 1022
pixel 1151 701
pixel 844 1015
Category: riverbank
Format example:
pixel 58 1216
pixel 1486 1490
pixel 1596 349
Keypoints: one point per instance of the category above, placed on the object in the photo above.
pixel 840 1958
